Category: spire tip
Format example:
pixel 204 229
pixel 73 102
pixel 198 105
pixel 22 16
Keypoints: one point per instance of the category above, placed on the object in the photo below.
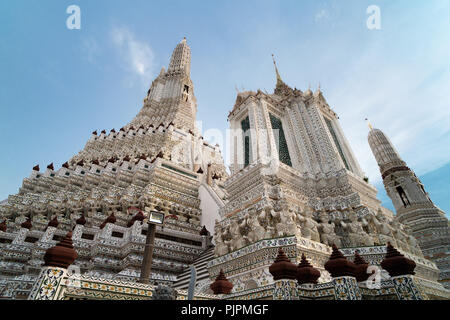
pixel 276 68
pixel 369 124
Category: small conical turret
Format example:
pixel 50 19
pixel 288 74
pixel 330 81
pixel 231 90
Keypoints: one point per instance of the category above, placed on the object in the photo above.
pixel 62 255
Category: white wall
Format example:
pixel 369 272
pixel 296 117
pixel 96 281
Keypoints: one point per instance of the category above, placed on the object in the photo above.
pixel 210 208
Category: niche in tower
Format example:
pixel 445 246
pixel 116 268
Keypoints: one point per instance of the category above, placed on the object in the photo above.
pixel 186 92
pixel 402 195
pixel 280 140
pixel 245 126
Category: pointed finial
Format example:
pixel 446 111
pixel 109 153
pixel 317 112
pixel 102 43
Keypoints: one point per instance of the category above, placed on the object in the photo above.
pixel 318 91
pixel 369 124
pixel 276 68
pixel 235 87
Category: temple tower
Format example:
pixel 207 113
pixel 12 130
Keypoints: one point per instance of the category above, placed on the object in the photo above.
pixel 294 180
pixel 158 161
pixel 412 203
pixel 295 130
pixel 171 95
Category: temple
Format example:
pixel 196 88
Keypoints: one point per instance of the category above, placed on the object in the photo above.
pixel 293 218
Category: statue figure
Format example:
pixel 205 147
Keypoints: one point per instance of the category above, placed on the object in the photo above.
pixel 399 235
pixel 238 240
pixel 385 232
pixel 257 231
pixel 327 234
pixel 356 233
pixel 164 293
pixel 412 242
pixel 372 223
pixel 221 247
pixel 265 220
pixel 286 225
pixel 308 224
pixel 293 216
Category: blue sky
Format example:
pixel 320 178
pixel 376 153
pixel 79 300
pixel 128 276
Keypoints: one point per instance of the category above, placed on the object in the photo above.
pixel 58 85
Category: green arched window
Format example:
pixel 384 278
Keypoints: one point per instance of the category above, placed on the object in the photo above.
pixel 245 125
pixel 280 140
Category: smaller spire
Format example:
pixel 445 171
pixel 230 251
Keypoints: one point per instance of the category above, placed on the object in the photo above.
pixel 338 265
pixel 221 285
pixel 283 268
pixel 281 88
pixel 276 68
pixel 27 224
pixel 53 223
pixel 3 226
pixel 306 273
pixel 397 264
pixel 204 231
pixel 318 92
pixel 81 220
pixel 139 216
pixel 162 72
pixel 111 219
pixel 361 268
pixel 62 255
pixel 369 124
pixel 308 92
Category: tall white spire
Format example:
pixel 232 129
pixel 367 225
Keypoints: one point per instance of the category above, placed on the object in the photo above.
pixel 181 58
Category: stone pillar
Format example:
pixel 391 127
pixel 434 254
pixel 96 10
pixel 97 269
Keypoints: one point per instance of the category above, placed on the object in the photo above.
pixel 346 288
pixel 406 288
pixel 21 235
pixel 78 232
pixel 285 289
pixel 49 284
pixel 209 174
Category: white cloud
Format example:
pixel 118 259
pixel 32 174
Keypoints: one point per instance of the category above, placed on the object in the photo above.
pixel 322 14
pixel 137 55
